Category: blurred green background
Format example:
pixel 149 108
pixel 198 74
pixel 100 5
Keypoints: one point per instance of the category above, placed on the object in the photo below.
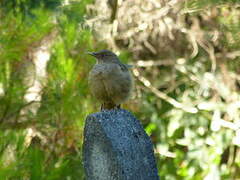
pixel 186 61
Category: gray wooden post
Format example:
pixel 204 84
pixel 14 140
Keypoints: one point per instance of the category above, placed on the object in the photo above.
pixel 116 147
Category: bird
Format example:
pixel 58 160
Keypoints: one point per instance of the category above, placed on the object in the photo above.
pixel 110 81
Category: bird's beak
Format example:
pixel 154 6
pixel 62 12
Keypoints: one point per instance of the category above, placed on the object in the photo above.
pixel 92 54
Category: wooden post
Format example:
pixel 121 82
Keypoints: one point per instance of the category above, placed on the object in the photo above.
pixel 116 147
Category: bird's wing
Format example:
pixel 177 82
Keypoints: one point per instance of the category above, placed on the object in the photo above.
pixel 124 67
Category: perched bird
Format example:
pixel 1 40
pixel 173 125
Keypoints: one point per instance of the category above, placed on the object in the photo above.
pixel 110 80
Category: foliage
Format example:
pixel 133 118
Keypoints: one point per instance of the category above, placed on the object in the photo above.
pixel 187 70
pixel 45 144
pixel 186 65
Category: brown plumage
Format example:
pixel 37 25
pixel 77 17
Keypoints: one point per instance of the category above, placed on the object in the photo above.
pixel 110 81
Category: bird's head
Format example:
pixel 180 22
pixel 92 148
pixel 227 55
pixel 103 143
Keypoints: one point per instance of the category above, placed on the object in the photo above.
pixel 105 56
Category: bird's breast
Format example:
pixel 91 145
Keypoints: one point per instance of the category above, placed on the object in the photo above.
pixel 109 81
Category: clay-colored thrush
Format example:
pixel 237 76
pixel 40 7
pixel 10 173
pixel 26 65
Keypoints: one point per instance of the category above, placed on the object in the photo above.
pixel 110 80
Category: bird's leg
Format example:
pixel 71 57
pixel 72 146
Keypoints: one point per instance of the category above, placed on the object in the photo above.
pixel 102 107
pixel 117 107
pixel 109 105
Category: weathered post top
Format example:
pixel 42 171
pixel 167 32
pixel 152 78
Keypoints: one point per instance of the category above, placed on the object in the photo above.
pixel 116 147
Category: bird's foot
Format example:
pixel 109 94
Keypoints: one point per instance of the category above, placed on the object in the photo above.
pixel 117 107
pixel 105 106
pixel 102 107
